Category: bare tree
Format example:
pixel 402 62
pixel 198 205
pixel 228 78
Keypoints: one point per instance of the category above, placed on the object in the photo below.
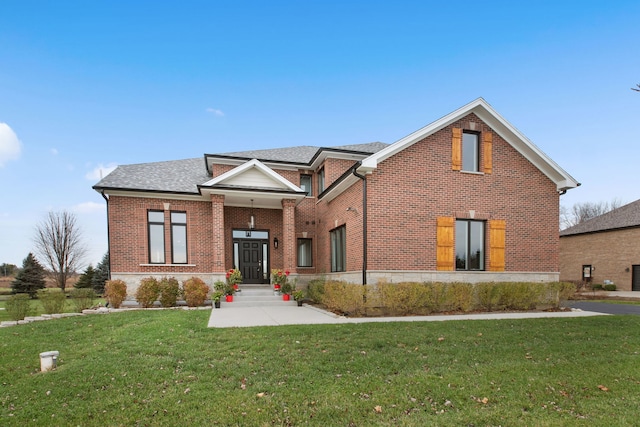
pixel 637 88
pixel 58 241
pixel 581 212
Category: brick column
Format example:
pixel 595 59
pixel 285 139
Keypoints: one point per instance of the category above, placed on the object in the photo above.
pixel 289 234
pixel 217 239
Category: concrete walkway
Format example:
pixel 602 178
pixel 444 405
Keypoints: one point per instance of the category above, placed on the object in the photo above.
pixel 229 316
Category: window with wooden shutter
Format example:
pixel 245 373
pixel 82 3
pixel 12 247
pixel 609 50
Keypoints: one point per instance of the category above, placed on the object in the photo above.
pixel 456 149
pixel 487 146
pixel 497 228
pixel 444 243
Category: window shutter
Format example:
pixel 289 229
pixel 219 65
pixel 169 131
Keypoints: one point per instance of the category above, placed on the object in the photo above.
pixel 456 149
pixel 497 229
pixel 487 146
pixel 444 243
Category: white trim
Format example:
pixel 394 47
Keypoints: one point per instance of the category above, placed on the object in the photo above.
pixel 508 132
pixel 254 163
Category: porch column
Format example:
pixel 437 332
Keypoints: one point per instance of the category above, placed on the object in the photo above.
pixel 289 234
pixel 217 238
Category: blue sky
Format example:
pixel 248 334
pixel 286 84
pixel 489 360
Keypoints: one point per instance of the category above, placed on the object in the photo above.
pixel 85 86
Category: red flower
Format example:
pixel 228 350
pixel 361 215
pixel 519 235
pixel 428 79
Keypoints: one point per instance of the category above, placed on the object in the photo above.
pixel 228 274
pixel 287 272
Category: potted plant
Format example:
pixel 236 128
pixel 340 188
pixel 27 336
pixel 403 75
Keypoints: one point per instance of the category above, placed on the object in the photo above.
pixel 215 297
pixel 234 278
pixel 286 290
pixel 278 278
pixel 298 295
pixel 229 290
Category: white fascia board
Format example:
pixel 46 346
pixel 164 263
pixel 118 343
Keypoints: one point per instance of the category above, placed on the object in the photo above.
pixel 526 147
pixel 254 163
pixel 490 116
pixel 340 188
pixel 154 195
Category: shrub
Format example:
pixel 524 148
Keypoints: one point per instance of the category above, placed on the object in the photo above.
pixel 457 297
pixel 115 291
pixel 609 287
pixel 18 306
pixel 147 292
pixel 83 298
pixel 523 296
pixel 489 296
pixel 169 291
pixel 596 287
pixel 401 299
pixel 195 291
pixel 559 292
pixel 52 300
pixel 315 290
pixel 343 297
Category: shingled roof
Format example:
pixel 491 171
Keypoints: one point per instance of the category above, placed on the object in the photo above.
pixel 623 217
pixel 184 176
pixel 303 154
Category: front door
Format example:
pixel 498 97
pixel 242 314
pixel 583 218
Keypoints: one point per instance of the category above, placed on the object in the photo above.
pixel 251 262
pixel 251 255
pixel 635 278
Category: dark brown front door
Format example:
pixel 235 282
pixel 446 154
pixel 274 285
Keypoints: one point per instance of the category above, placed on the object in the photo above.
pixel 251 262
pixel 635 278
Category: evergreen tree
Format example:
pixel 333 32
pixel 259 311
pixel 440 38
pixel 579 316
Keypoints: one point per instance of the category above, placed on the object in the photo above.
pixel 30 278
pixel 86 278
pixel 101 274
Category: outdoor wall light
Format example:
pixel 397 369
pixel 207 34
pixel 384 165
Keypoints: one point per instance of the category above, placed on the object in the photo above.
pixel 275 242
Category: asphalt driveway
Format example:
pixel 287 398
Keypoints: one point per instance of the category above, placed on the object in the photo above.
pixel 603 307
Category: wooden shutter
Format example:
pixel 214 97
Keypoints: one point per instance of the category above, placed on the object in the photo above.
pixel 444 243
pixel 487 146
pixel 497 228
pixel 456 149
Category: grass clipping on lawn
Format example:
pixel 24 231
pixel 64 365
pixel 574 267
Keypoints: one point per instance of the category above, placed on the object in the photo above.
pixel 167 368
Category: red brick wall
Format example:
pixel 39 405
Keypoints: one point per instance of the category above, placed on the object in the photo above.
pixel 410 190
pixel 405 196
pixel 611 253
pixel 129 237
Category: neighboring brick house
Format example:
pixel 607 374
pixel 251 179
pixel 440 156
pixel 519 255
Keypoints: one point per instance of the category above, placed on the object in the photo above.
pixel 606 247
pixel 466 198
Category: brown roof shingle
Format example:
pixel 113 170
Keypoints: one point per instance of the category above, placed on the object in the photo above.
pixel 624 217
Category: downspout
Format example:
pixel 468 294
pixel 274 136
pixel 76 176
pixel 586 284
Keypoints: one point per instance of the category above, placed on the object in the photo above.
pixel 108 236
pixel 364 225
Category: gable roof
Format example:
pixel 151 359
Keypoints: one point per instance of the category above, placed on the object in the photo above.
pixel 486 113
pixel 626 216
pixel 495 121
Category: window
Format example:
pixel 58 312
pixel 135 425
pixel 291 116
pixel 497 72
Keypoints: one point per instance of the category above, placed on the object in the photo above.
pixel 305 184
pixel 320 180
pixel 469 245
pixel 305 253
pixel 470 152
pixel 179 237
pixel 338 249
pixel 155 220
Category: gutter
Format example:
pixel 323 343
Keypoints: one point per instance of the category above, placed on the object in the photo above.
pixel 364 225
pixel 108 237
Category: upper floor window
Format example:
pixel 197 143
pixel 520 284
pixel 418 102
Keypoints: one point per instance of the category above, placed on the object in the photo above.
pixel 155 225
pixel 305 258
pixel 179 237
pixel 469 245
pixel 320 180
pixel 470 152
pixel 305 184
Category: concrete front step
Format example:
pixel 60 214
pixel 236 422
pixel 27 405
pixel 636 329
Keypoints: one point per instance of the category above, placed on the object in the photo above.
pixel 256 296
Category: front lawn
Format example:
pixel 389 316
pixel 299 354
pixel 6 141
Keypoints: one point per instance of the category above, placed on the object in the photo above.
pixel 167 368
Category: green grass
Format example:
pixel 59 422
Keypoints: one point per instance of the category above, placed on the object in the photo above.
pixel 167 368
pixel 613 301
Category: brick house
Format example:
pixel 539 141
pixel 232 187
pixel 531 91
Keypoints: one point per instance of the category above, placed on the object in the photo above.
pixel 466 198
pixel 606 247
